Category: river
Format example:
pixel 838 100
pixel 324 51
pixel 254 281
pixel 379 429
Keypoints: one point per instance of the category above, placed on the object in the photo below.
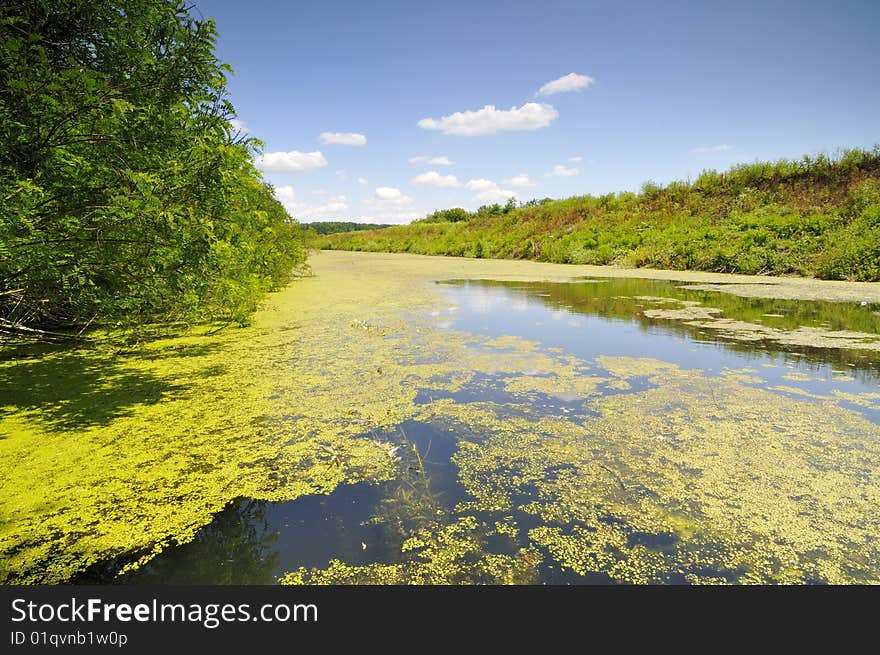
pixel 406 419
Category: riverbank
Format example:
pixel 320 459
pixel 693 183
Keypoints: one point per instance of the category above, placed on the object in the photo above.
pixel 814 217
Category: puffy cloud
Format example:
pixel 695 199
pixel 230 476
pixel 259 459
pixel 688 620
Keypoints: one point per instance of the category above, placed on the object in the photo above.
pixel 566 83
pixel 303 211
pixel 702 150
pixel 520 180
pixel 290 162
pixel 487 191
pixel 391 196
pixel 433 178
pixel 333 205
pixel 389 205
pixel 489 120
pixel 343 138
pixel 363 181
pixel 495 195
pixel 387 193
pixel 561 171
pixel 441 160
pixel 285 196
pixel 239 125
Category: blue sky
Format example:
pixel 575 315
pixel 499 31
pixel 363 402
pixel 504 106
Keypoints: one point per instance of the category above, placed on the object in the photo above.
pixel 643 90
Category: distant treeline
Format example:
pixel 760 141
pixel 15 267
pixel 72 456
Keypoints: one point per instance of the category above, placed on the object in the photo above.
pixel 332 227
pixel 818 216
pixel 127 195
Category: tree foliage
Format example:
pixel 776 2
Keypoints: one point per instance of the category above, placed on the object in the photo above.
pixel 452 215
pixel 126 194
pixel 332 227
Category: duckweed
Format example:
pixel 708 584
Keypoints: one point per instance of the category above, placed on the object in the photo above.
pixel 110 457
pixel 448 554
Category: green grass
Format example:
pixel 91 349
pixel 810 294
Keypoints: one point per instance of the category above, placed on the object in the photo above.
pixel 817 217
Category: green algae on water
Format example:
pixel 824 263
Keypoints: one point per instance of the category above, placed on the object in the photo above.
pixel 454 553
pixel 111 458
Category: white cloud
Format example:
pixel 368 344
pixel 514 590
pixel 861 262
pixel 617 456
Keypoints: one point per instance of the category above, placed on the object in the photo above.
pixel 495 195
pixel 303 211
pixel 488 120
pixel 520 180
pixel 362 181
pixel 285 196
pixel 561 171
pixel 342 174
pixel 333 205
pixel 566 83
pixel 290 162
pixel 433 178
pixel 343 138
pixel 387 193
pixel 389 205
pixel 391 196
pixel 239 125
pixel 576 160
pixel 442 160
pixel 702 150
pixel 487 191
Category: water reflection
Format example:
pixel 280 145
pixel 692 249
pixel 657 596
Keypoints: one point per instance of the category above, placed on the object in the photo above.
pixel 255 541
pixel 496 307
pixel 240 546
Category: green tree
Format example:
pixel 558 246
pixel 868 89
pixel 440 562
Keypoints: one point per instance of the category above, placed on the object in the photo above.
pixel 127 195
pixel 332 227
pixel 452 215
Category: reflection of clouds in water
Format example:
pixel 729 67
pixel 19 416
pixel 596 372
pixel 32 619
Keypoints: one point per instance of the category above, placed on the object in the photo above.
pixel 452 308
pixel 483 300
pixel 559 314
pixel 574 322
pixel 444 325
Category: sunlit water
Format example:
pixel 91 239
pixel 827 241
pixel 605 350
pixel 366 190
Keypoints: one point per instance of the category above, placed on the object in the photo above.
pixel 255 542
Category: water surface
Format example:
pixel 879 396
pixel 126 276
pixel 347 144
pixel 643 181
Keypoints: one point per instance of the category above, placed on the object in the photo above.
pixel 606 516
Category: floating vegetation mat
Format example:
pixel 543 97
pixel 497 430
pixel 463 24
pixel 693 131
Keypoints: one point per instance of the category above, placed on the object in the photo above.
pixel 538 449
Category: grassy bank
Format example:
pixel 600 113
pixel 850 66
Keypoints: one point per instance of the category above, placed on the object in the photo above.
pixel 816 217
